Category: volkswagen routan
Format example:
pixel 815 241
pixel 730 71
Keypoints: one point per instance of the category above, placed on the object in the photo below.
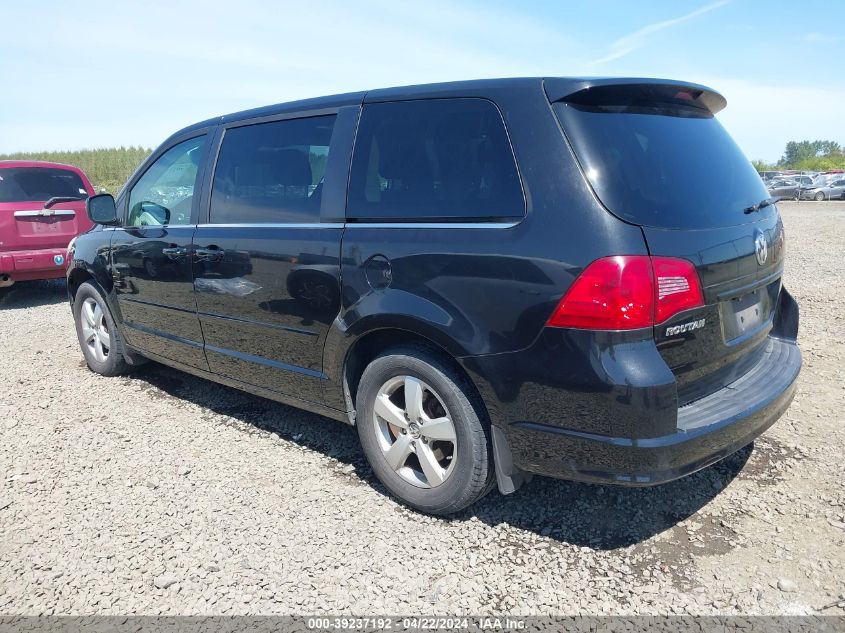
pixel 574 278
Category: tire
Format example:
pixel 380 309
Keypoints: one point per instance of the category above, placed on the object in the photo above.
pixel 457 471
pixel 99 338
pixel 819 197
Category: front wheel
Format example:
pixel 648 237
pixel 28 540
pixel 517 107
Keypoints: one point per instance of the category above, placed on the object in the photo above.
pixel 423 431
pixel 819 196
pixel 98 336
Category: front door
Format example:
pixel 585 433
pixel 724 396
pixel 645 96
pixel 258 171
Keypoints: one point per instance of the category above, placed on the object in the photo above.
pixel 266 268
pixel 151 263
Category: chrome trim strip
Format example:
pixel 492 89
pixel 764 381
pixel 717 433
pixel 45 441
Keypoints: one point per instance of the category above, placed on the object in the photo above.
pixel 128 299
pixel 171 337
pixel 275 326
pixel 350 225
pixel 433 225
pixel 50 213
pixel 281 225
pixel 267 362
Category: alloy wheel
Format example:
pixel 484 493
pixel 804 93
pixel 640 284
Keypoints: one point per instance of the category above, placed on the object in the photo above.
pixel 415 431
pixel 95 331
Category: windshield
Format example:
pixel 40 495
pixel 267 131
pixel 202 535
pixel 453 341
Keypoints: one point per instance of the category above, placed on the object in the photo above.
pixel 39 184
pixel 662 165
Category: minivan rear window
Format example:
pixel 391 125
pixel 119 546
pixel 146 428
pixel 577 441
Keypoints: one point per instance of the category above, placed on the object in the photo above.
pixel 39 184
pixel 428 160
pixel 667 165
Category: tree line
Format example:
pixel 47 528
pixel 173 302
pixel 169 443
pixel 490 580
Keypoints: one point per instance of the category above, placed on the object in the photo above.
pixel 807 155
pixel 107 168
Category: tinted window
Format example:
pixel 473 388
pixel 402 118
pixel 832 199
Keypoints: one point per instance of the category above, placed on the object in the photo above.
pixel 662 164
pixel 272 172
pixel 165 193
pixel 446 159
pixel 39 184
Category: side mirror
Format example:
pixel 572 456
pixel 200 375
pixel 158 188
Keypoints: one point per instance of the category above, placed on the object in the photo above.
pixel 153 214
pixel 52 202
pixel 101 209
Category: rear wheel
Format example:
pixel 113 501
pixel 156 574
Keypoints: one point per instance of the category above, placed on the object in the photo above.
pixel 420 425
pixel 819 196
pixel 98 336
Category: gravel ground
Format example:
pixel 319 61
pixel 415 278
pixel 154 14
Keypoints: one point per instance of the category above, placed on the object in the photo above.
pixel 161 493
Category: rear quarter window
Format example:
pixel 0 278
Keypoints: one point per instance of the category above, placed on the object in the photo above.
pixel 433 160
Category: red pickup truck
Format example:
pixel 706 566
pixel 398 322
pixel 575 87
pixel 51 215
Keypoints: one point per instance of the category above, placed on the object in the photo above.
pixel 42 207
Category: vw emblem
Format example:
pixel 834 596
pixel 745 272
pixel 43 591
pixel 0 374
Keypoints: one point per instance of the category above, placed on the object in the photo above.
pixel 760 247
pixel 58 260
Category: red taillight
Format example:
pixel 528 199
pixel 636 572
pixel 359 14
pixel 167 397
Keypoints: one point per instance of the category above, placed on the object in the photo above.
pixel 627 292
pixel 678 288
pixel 613 293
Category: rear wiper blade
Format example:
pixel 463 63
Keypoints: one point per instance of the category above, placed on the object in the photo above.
pixel 760 205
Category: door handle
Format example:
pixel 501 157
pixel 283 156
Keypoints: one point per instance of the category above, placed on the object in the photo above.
pixel 175 252
pixel 210 254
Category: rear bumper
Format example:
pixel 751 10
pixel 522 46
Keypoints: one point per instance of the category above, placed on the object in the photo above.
pixel 708 430
pixel 45 263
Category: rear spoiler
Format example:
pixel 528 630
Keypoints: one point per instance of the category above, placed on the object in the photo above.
pixel 623 92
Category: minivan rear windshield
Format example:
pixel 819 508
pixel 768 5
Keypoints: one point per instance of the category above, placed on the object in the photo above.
pixel 667 165
pixel 39 184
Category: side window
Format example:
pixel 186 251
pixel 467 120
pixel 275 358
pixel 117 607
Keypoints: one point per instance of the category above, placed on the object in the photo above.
pixel 165 193
pixel 271 173
pixel 427 160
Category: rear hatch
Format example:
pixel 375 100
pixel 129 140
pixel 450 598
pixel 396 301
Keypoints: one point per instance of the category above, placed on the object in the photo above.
pixel 24 223
pixel 656 157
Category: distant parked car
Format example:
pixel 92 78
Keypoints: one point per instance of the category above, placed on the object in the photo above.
pixel 770 175
pixel 42 207
pixel 784 189
pixel 802 179
pixel 831 191
pixel 822 180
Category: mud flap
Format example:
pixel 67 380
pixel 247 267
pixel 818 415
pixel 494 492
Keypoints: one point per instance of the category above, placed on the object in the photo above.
pixel 508 477
pixel 786 317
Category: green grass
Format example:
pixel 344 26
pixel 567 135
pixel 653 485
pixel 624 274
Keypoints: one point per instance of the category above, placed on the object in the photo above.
pixel 107 169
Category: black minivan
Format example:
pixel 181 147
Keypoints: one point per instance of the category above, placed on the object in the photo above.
pixel 578 278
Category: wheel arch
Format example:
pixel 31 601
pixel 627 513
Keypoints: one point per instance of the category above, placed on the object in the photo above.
pixel 370 343
pixel 76 278
pixel 374 342
pixel 80 272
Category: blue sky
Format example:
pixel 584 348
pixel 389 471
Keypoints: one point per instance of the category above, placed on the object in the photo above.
pixel 94 73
